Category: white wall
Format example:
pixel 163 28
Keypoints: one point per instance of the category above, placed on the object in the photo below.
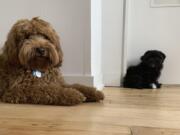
pixel 155 28
pixel 112 33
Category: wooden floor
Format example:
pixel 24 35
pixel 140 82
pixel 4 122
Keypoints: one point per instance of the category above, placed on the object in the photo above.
pixel 124 112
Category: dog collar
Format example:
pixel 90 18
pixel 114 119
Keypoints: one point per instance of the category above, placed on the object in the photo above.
pixel 37 73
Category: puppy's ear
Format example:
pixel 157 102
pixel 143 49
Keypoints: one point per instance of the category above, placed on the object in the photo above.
pixel 142 58
pixel 163 55
pixel 145 55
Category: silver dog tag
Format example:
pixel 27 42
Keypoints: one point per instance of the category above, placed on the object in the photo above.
pixel 37 73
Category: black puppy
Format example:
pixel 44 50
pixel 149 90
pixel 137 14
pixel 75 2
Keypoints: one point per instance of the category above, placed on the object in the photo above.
pixel 145 74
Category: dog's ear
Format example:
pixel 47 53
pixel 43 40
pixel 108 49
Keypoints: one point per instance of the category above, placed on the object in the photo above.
pixel 10 50
pixel 60 55
pixel 17 33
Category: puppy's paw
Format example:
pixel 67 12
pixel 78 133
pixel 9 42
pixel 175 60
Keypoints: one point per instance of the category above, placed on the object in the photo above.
pixel 153 86
pixel 158 85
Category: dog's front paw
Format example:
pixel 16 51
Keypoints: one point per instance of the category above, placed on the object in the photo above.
pixel 95 96
pixel 99 95
pixel 71 96
pixel 10 98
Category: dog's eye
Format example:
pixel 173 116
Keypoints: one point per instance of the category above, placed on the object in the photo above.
pixel 27 36
pixel 46 37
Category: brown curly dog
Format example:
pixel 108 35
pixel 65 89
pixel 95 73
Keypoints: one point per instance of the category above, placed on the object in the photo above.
pixel 29 68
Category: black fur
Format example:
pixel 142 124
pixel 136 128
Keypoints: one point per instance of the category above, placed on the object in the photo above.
pixel 146 72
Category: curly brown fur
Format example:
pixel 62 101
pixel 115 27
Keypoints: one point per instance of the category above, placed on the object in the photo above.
pixel 34 45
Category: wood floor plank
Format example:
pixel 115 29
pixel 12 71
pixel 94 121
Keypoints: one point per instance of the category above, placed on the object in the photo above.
pixel 165 99
pixel 158 110
pixel 32 126
pixel 154 131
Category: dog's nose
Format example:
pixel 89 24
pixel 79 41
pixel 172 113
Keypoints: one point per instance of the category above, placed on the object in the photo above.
pixel 41 51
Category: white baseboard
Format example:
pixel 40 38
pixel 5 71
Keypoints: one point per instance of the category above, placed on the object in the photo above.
pixel 112 79
pixel 87 80
pixel 98 81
